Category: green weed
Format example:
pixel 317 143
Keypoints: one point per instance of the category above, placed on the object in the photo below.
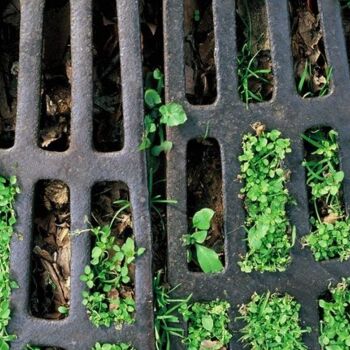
pixel 206 258
pixel 331 228
pixel 121 346
pixel 8 191
pixel 207 325
pixel 272 322
pixel 270 235
pixel 335 321
pixel 166 320
pixel 109 297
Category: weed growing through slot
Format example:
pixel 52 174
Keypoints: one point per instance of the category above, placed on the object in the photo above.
pixel 166 320
pixel 254 70
pixel 335 321
pixel 331 228
pixel 110 298
pixel 207 259
pixel 272 322
pixel 121 346
pixel 207 325
pixel 270 235
pixel 8 191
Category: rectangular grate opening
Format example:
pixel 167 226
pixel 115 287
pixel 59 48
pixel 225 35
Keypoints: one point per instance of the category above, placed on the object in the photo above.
pixel 51 253
pixel 199 41
pixel 108 110
pixel 345 5
pixel 54 126
pixel 204 190
pixel 9 54
pixel 255 74
pixel 312 72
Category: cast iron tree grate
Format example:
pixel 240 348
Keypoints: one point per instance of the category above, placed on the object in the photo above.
pixel 228 120
pixel 79 167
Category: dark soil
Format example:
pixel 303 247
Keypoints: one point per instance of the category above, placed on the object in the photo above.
pixel 108 130
pixel 308 46
pixel 9 54
pixel 252 30
pixel 50 287
pixel 346 27
pixel 204 189
pixel 54 126
pixel 200 69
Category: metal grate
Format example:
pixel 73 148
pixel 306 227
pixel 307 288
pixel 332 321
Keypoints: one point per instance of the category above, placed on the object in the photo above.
pixel 228 120
pixel 80 167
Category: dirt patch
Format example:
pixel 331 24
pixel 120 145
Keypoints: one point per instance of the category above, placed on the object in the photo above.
pixel 200 69
pixel 9 54
pixel 54 125
pixel 50 287
pixel 311 70
pixel 204 189
pixel 108 112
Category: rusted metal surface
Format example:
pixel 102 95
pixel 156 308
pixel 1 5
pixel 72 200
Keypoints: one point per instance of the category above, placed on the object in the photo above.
pixel 228 120
pixel 80 167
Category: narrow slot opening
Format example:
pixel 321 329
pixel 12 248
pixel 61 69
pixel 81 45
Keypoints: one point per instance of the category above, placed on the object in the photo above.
pixel 51 252
pixel 254 63
pixel 334 313
pixel 108 131
pixel 199 46
pixel 9 56
pixel 54 125
pixel 311 70
pixel 204 190
pixel 113 254
pixel 34 347
pixel 345 6
pixel 329 237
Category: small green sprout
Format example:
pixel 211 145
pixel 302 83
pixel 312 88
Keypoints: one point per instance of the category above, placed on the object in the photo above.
pixel 330 236
pixel 208 325
pixel 272 322
pixel 270 235
pixel 335 321
pixel 206 258
pixel 8 192
pixel 121 346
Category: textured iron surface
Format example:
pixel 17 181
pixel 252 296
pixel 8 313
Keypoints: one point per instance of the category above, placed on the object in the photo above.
pixel 79 167
pixel 228 120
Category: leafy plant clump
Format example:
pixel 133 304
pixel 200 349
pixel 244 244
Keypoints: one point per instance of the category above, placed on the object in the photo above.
pixel 272 322
pixel 207 325
pixel 166 320
pixel 270 235
pixel 335 321
pixel 121 346
pixel 330 237
pixel 8 191
pixel 206 258
pixel 110 298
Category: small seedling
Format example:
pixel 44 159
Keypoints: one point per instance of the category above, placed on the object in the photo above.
pixel 272 322
pixel 110 298
pixel 8 191
pixel 270 235
pixel 159 116
pixel 206 258
pixel 63 310
pixel 330 237
pixel 121 346
pixel 166 320
pixel 335 320
pixel 208 325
